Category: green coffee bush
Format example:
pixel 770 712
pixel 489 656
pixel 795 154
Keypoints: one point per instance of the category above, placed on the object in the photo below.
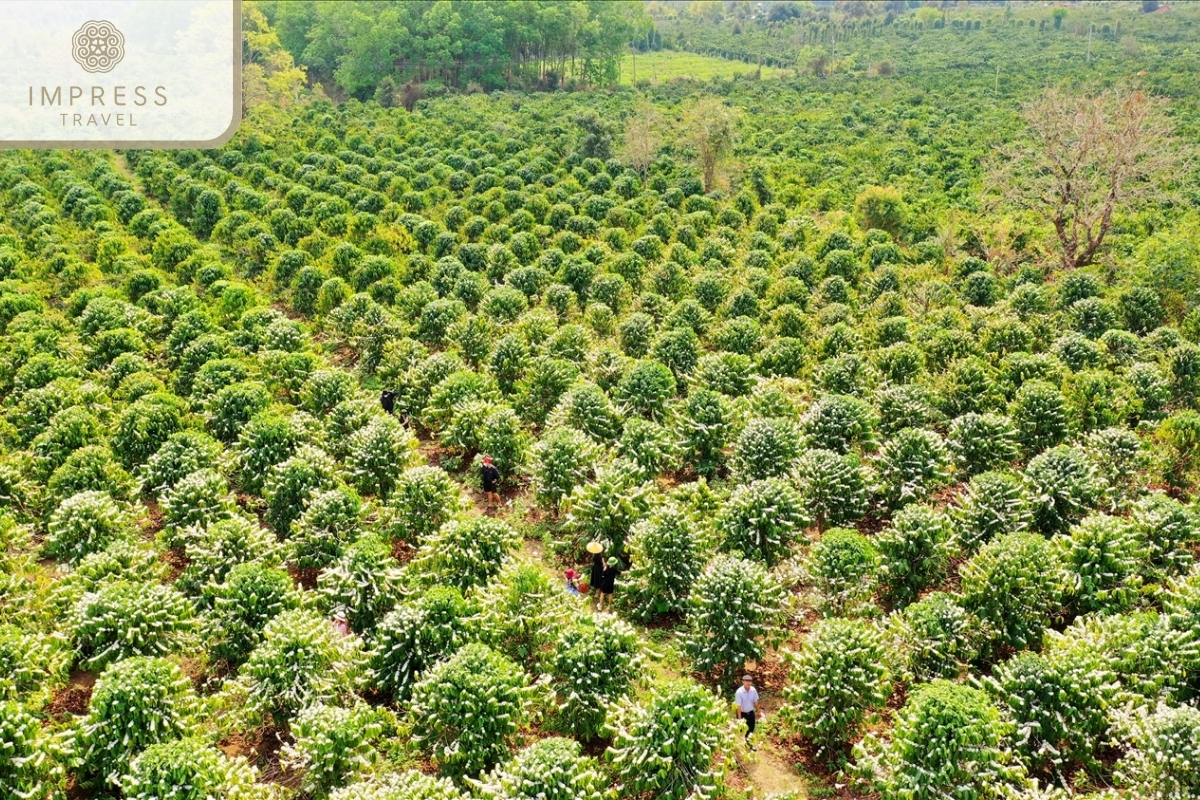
pixel 85 523
pixel 1039 412
pixel 522 612
pixel 762 519
pixel 324 389
pixel 90 468
pixel 932 638
pixel 467 708
pixel 201 498
pixel 301 660
pixel 144 426
pixel 30 767
pixel 736 610
pixel 423 499
pixel 1168 528
pixel 179 456
pixel 123 618
pixel 377 453
pixel 914 553
pixel 416 634
pixel 31 665
pixel 704 429
pixel 549 769
pixel 585 407
pixel 136 703
pixel 331 746
pixel 190 769
pixel 1163 762
pixel 562 460
pixel 980 442
pixel 837 680
pixel 408 785
pixel 1100 558
pixel 465 552
pixel 834 487
pixel 911 465
pixel 667 554
pixel 251 595
pixel 214 550
pixel 948 741
pixel 840 423
pixel 363 584
pixel 1059 706
pixel 649 446
pixel 606 508
pixel 1012 585
pixel 994 503
pixel 290 485
pixel 228 410
pixel 268 439
pixel 843 565
pixel 672 745
pixel 766 448
pixel 330 522
pixel 594 664
pixel 1065 487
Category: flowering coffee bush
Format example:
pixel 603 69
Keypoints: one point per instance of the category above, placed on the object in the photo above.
pixel 593 665
pixel 331 745
pixel 994 503
pixel 85 523
pixel 417 634
pixel 837 679
pixel 423 499
pixel 301 660
pixel 252 595
pixel 735 611
pixel 124 618
pixel 465 552
pixel 766 448
pixel 835 487
pixel 1065 486
pixel 561 461
pixel 980 442
pixel 467 708
pixel 408 785
pixel 843 565
pixel 911 465
pixel 378 453
pixel 1169 529
pixel 667 556
pixel 1012 585
pixel 932 638
pixel 760 520
pixel 606 508
pixel 948 741
pixel 522 612
pixel 1164 760
pixel 215 550
pixel 136 703
pixel 189 769
pixel 672 744
pixel 201 498
pixel 330 521
pixel 1100 558
pixel 553 769
pixel 291 484
pixel 914 553
pixel 29 768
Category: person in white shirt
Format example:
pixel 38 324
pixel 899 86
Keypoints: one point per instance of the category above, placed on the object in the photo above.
pixel 746 698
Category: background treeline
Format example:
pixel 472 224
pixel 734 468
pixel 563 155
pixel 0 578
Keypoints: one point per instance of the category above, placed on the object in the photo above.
pixel 373 47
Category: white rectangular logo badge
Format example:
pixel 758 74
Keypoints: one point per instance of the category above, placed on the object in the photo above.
pixel 119 73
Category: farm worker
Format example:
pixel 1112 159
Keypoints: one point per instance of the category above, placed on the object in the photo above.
pixel 491 481
pixel 746 699
pixel 387 399
pixel 608 579
pixel 597 577
pixel 340 624
pixel 572 582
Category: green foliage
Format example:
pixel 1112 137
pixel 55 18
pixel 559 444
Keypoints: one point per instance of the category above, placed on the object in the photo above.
pixel 911 466
pixel 605 509
pixel 667 554
pixel 843 565
pixel 1162 762
pixel 561 461
pixel 932 638
pixel 672 745
pixel 1065 487
pixel 948 741
pixel 30 768
pixel 423 499
pixel 136 703
pixel 594 664
pixel 1100 557
pixel 837 679
pixel 1039 412
pixel 736 610
pixel 761 520
pixel 467 708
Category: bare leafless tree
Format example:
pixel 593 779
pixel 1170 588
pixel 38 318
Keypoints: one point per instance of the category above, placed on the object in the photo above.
pixel 641 138
pixel 1084 158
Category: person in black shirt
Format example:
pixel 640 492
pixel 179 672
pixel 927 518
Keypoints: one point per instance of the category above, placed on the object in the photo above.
pixel 387 399
pixel 597 576
pixel 608 580
pixel 491 481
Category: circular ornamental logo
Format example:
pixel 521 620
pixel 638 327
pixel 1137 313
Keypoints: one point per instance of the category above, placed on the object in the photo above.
pixel 98 46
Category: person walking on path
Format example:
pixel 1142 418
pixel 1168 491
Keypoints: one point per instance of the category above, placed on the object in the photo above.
pixel 746 698
pixel 491 482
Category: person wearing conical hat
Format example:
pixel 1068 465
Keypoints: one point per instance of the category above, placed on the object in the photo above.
pixel 598 565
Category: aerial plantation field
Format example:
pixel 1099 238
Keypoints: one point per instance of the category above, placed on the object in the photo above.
pixel 807 360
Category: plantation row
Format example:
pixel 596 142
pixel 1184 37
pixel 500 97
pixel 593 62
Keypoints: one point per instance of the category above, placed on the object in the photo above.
pixel 933 478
